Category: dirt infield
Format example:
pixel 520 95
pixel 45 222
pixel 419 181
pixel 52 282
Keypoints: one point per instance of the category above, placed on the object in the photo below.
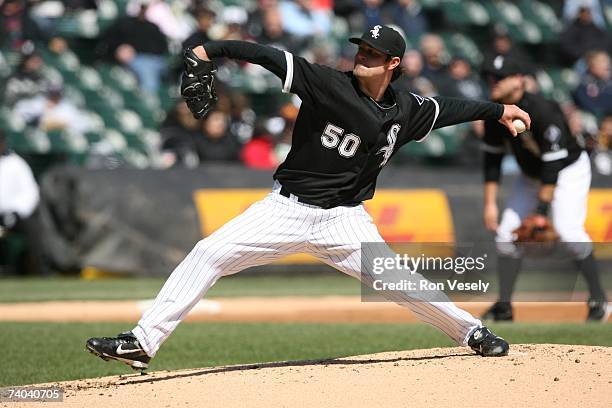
pixel 276 309
pixel 530 376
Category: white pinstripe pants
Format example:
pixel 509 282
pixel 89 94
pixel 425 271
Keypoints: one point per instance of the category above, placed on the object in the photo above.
pixel 270 229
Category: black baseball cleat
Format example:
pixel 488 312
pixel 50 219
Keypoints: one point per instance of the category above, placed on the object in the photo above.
pixel 599 311
pixel 484 342
pixel 124 348
pixel 499 312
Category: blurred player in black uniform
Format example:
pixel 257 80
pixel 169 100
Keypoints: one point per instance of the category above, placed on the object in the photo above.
pixel 555 180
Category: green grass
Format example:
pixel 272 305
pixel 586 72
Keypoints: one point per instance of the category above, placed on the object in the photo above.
pixel 245 284
pixel 37 290
pixel 45 352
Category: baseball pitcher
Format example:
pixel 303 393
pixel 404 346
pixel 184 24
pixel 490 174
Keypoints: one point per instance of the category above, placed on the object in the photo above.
pixel 349 126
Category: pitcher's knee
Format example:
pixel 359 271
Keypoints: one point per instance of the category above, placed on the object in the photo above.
pixel 211 256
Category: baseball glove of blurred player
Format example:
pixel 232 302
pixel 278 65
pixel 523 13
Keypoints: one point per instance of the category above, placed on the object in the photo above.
pixel 535 228
pixel 197 84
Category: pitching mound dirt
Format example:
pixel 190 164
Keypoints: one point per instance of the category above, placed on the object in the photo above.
pixel 530 376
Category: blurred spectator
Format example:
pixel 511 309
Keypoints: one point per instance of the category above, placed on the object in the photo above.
pixel 205 18
pixel 407 15
pixel 52 112
pixel 301 19
pixel 139 45
pixel 75 5
pixel 582 36
pixel 594 93
pixel 19 198
pixel 571 9
pixel 16 25
pixel 372 11
pixel 345 60
pixel 217 143
pixel 170 17
pixel 258 153
pixel 435 57
pixel 350 11
pixel 255 24
pixel 289 113
pixel 462 83
pixel 234 18
pixel 27 81
pixel 180 132
pixel 58 45
pixel 413 79
pixel 322 53
pixel 274 34
pixel 601 155
pixel 188 144
pixel 241 118
pixel 272 140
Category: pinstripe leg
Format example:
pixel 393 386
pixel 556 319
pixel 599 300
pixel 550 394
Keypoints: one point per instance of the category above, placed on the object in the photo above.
pixel 268 230
pixel 337 239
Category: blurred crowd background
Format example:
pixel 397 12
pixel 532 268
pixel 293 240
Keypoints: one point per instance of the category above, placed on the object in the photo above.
pixel 95 82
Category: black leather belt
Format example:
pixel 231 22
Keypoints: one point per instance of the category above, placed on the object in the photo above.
pixel 285 193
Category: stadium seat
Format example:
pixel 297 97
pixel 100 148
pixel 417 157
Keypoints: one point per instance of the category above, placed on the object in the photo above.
pixel 11 57
pixel 465 13
pixel 557 83
pixel 520 28
pixel 108 11
pixel 608 13
pixel 93 137
pixel 114 139
pixel 441 143
pixel 74 94
pixel 120 77
pixel 135 158
pixel 9 122
pixel 151 138
pixel 5 68
pixel 431 4
pixel 37 140
pixel 543 17
pixel 460 44
pixel 168 95
pixel 66 62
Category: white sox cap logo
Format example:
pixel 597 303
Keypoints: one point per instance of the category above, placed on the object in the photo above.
pixel 375 31
pixel 498 62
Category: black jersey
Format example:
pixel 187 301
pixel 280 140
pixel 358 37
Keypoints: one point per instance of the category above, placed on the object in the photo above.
pixel 343 138
pixel 542 152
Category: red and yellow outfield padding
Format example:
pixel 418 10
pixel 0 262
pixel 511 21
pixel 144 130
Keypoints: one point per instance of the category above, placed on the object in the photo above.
pixel 400 215
pixel 422 215
pixel 599 221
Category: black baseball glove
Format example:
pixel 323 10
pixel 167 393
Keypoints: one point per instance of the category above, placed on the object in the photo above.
pixel 197 84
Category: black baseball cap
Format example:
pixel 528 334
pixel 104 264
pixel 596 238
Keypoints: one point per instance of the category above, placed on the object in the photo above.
pixel 501 66
pixel 384 39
